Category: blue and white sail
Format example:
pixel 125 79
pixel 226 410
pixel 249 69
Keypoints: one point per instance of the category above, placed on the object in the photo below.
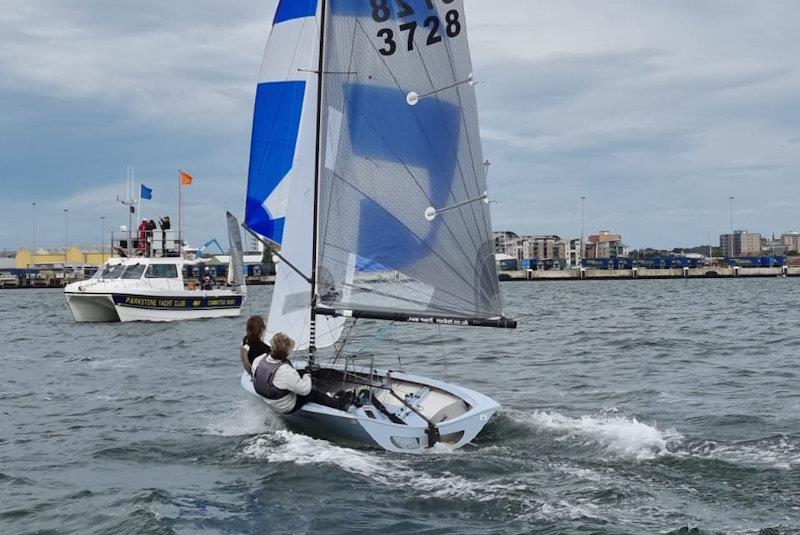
pixel 280 203
pixel 287 85
pixel 403 186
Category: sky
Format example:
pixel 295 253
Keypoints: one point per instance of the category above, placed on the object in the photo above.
pixel 657 112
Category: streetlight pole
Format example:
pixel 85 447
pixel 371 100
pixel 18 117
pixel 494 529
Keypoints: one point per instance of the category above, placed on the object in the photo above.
pixel 34 229
pixel 730 241
pixel 66 233
pixel 103 238
pixel 583 223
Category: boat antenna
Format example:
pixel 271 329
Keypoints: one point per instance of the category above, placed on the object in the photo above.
pixel 312 329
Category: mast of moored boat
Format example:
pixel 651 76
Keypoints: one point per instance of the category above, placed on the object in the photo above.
pixel 312 329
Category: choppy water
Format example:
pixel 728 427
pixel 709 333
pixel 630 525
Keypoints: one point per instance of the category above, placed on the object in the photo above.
pixel 629 407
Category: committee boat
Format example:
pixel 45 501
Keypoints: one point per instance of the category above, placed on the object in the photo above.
pixel 168 288
pixel 367 176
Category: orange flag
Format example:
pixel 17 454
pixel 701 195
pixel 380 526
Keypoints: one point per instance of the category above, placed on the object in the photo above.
pixel 186 179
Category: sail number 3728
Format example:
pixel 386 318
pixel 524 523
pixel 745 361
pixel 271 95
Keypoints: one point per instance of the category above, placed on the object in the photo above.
pixel 433 25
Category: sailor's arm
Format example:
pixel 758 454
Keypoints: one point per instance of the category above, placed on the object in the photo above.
pixel 287 378
pixel 243 351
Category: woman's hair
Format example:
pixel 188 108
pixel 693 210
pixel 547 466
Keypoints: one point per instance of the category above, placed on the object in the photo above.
pixel 281 346
pixel 255 328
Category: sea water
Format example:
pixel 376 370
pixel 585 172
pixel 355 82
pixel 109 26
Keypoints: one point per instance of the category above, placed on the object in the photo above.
pixel 628 407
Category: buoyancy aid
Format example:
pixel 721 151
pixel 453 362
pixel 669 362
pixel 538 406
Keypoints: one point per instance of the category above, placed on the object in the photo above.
pixel 263 377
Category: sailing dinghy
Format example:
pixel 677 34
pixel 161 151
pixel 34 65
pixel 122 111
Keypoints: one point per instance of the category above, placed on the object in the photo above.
pixel 366 174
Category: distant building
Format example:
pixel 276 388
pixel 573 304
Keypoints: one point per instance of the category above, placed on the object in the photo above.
pixel 605 245
pixel 506 242
pixel 571 252
pixel 791 241
pixel 740 243
pixel 60 257
pixel 539 247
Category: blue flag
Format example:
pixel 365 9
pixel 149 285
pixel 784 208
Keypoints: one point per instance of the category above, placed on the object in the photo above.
pixel 146 192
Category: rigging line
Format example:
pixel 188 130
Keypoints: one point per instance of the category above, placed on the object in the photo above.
pixel 411 174
pixel 444 353
pixel 453 312
pixel 430 144
pixel 317 181
pixel 428 306
pixel 374 340
pixel 441 290
pixel 394 282
pixel 344 339
pixel 473 101
pixel 331 186
pixel 276 253
pixel 427 140
pixel 422 190
pixel 426 245
pixel 458 160
pixel 326 72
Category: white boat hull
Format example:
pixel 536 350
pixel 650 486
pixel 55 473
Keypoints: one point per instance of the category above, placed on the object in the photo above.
pixel 368 426
pixel 119 307
pixel 92 308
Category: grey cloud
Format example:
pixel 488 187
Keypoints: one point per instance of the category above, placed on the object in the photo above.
pixel 655 110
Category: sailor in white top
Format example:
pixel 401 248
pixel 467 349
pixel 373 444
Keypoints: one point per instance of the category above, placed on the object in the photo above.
pixel 279 383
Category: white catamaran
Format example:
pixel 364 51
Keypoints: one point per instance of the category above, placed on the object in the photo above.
pixel 366 172
pixel 155 288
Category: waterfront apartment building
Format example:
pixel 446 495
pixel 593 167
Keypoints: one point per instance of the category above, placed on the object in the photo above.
pixel 791 241
pixel 540 247
pixel 740 243
pixel 571 252
pixel 506 242
pixel 535 247
pixel 605 245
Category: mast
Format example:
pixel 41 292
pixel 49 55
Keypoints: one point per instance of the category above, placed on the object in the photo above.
pixel 312 349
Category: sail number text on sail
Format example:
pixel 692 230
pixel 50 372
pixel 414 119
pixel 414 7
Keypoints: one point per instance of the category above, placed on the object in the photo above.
pixel 381 12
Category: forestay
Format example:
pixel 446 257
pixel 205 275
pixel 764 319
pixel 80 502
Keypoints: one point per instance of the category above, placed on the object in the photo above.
pixel 402 187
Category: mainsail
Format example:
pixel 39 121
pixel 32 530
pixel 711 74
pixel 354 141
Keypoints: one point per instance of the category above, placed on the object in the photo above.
pixel 402 183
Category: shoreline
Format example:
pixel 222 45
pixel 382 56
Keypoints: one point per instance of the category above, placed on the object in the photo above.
pixel 710 272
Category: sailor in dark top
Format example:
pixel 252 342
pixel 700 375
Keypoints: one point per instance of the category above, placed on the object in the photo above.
pixel 252 344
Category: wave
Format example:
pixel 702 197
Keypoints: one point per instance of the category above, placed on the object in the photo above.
pixel 249 417
pixel 620 436
pixel 627 437
pixel 780 452
pixel 284 446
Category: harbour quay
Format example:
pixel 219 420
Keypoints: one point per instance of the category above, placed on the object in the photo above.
pixel 55 268
pixel 705 272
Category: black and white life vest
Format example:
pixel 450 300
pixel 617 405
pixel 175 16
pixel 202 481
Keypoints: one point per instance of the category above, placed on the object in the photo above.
pixel 263 377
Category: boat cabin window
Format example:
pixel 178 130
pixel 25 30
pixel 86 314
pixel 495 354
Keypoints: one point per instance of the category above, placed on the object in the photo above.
pixel 133 272
pixel 161 271
pixel 111 272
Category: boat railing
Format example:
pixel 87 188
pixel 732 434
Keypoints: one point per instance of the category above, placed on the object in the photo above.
pixel 157 243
